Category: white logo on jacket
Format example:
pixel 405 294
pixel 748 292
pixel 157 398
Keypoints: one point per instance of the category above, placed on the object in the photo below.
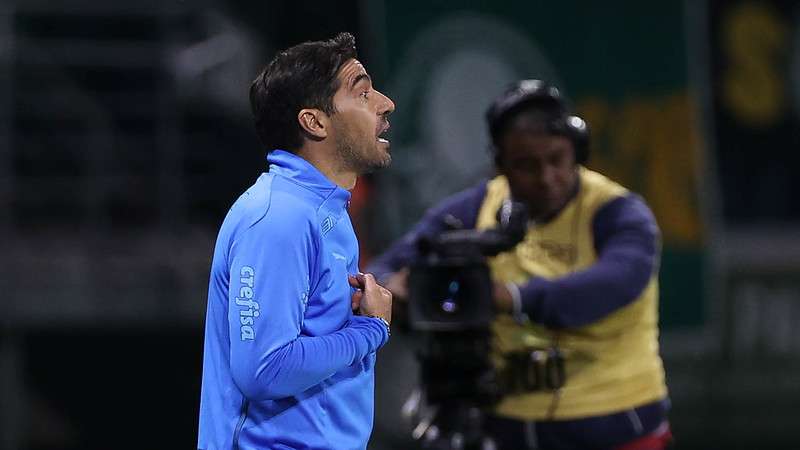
pixel 245 300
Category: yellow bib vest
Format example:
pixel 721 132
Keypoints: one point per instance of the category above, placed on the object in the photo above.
pixel 611 365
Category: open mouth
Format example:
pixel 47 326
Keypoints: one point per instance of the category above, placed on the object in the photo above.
pixel 383 133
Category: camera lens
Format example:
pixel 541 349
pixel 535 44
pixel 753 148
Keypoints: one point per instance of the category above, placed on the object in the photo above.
pixel 449 306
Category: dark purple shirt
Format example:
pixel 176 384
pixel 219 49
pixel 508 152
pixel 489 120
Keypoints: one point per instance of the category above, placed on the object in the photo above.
pixel 626 239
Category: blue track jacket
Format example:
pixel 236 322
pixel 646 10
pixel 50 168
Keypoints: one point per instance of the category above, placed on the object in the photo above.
pixel 286 365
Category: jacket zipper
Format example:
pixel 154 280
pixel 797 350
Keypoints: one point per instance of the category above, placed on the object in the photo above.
pixel 242 417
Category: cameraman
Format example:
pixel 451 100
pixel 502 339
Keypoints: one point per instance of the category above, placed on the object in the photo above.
pixel 581 288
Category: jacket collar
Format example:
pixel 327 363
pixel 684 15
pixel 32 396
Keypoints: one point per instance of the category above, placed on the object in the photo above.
pixel 302 172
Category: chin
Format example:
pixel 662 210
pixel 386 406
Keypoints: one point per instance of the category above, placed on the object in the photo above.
pixel 544 212
pixel 385 156
pixel 382 163
pixel 371 165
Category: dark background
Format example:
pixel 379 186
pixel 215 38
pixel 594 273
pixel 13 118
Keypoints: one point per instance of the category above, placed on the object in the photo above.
pixel 125 135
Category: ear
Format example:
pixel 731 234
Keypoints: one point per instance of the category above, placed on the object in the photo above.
pixel 314 122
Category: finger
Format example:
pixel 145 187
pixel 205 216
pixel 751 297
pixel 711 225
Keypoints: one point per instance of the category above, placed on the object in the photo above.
pixel 355 302
pixel 369 281
pixel 354 281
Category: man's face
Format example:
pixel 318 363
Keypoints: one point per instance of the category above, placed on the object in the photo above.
pixel 540 167
pixel 360 120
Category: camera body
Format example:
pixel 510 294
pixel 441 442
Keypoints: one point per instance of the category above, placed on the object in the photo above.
pixel 450 295
pixel 451 310
pixel 450 285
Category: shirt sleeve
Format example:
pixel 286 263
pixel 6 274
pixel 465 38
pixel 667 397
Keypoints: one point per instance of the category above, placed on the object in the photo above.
pixel 271 265
pixel 459 210
pixel 626 239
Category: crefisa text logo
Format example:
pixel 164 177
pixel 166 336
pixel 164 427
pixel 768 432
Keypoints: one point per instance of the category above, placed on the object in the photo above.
pixel 249 307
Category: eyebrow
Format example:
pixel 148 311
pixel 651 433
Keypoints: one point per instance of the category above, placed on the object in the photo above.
pixel 360 77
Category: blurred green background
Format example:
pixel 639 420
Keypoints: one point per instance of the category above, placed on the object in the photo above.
pixel 126 135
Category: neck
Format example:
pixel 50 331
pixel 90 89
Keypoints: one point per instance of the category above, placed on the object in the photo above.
pixel 323 159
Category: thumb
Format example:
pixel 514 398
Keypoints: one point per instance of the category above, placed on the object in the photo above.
pixel 369 281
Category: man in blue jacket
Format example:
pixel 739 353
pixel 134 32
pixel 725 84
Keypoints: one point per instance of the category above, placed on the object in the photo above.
pixel 292 327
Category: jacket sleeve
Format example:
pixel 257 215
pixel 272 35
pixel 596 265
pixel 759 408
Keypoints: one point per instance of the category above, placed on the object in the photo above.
pixel 461 209
pixel 271 265
pixel 626 239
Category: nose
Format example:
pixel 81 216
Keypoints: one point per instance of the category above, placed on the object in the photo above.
pixel 386 105
pixel 546 176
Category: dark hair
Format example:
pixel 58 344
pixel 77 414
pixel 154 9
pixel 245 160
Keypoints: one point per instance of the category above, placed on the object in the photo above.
pixel 546 104
pixel 303 76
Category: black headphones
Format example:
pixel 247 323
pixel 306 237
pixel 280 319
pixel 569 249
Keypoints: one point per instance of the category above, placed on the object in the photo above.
pixel 538 95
